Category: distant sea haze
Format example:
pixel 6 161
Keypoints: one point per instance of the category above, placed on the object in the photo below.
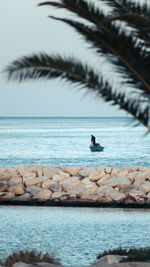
pixel 65 141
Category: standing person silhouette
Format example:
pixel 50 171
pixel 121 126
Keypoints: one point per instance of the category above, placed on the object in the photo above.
pixel 93 140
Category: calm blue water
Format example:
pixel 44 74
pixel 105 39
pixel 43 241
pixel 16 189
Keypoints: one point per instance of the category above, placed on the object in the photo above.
pixel 65 141
pixel 75 235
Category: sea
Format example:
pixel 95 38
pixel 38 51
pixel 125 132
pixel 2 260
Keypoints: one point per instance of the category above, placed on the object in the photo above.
pixel 74 235
pixel 65 141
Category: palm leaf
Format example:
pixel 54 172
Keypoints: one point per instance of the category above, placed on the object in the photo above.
pixel 43 66
pixel 121 46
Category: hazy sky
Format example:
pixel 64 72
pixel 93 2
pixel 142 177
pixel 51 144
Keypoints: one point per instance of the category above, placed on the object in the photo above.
pixel 24 29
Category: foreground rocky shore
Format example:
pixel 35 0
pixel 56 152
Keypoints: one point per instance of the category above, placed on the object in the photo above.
pixel 83 186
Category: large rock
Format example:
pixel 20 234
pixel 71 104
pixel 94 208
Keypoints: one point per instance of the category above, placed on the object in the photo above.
pixel 92 196
pixel 89 186
pixel 6 175
pixel 119 181
pixel 98 174
pixel 64 174
pixel 86 171
pixel 73 171
pixel 116 196
pixel 34 181
pixel 49 171
pixel 139 177
pixel 5 196
pixel 145 187
pixel 59 178
pixel 39 193
pixel 25 197
pixel 136 194
pixel 15 180
pixel 53 186
pixel 123 172
pixel 103 180
pixel 60 195
pixel 39 172
pixel 32 189
pixel 110 259
pixel 17 189
pixel 114 172
pixel 43 194
pixel 68 184
pixel 3 186
pixel 29 175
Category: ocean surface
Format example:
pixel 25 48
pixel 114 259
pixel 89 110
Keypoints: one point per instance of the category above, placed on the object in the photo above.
pixel 65 142
pixel 75 235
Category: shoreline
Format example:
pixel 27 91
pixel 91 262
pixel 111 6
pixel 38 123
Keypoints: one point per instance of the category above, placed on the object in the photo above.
pixel 124 187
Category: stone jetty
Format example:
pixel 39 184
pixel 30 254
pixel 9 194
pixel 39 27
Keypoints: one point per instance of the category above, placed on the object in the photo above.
pixel 75 186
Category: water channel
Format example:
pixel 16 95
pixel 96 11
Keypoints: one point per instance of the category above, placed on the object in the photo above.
pixel 75 235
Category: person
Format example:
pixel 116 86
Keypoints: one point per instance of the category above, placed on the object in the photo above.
pixel 93 140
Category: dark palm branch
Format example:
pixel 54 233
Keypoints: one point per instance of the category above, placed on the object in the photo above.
pixel 43 66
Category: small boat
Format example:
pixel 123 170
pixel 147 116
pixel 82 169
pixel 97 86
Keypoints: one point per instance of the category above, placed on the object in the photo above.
pixel 96 148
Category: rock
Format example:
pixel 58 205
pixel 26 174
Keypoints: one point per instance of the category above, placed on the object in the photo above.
pixel 64 174
pixel 49 172
pixel 122 173
pixel 15 180
pixel 34 181
pixel 108 170
pixel 6 176
pixel 43 194
pixel 119 181
pixel 104 193
pixel 132 169
pixel 39 172
pixel 17 189
pixel 89 196
pixel 129 188
pixel 95 176
pixel 24 197
pixel 60 195
pixel 145 187
pixel 110 259
pixel 68 184
pixel 22 264
pixel 105 199
pixel 114 172
pixel 136 194
pixel 32 189
pixel 103 180
pixel 3 186
pixel 30 175
pixel 89 186
pixel 53 186
pixel 5 196
pixel 21 170
pixel 139 177
pixel 58 178
pixel 73 171
pixel 86 171
pixel 116 196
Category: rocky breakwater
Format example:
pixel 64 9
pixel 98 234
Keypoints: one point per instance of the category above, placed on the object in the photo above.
pixel 99 186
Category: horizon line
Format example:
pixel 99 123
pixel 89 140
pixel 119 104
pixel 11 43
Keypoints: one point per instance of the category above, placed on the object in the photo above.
pixel 65 116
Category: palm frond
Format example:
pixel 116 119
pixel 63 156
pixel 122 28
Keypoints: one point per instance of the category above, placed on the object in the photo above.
pixel 121 47
pixel 43 66
pixel 82 9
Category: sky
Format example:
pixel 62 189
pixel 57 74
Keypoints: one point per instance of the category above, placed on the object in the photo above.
pixel 26 29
